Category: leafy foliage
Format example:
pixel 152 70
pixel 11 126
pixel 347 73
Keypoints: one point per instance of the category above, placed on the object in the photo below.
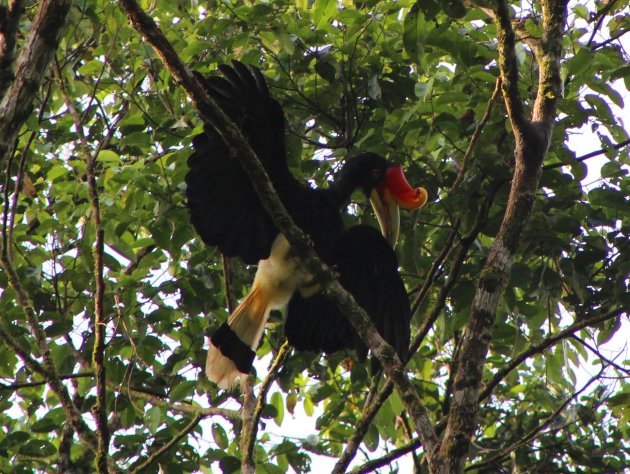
pixel 411 81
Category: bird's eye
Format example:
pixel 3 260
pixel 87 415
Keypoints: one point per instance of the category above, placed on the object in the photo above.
pixel 376 173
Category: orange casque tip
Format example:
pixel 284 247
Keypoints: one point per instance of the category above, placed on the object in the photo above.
pixel 401 190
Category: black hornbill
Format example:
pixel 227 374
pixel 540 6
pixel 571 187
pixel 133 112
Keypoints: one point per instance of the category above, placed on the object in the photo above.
pixel 227 213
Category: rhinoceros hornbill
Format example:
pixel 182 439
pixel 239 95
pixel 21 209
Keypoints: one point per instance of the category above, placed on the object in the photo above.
pixel 227 213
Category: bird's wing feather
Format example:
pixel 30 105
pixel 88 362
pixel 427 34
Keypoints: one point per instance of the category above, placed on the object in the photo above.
pixel 224 207
pixel 368 269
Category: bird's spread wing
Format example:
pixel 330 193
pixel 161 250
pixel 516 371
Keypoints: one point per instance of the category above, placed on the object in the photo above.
pixel 368 269
pixel 224 208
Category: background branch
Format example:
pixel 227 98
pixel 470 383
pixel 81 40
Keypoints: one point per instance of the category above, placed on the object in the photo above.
pixel 251 428
pixel 168 445
pixel 32 62
pixel 535 432
pixel 538 348
pixel 9 26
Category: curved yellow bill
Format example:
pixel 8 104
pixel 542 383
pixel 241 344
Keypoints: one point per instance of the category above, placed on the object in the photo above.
pixel 387 198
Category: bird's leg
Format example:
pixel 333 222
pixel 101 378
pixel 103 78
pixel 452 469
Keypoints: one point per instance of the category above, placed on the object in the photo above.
pixel 311 288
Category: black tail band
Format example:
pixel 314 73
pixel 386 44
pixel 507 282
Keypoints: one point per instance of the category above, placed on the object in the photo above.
pixel 233 348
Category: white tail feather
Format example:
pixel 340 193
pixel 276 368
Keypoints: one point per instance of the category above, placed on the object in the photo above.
pixel 247 322
pixel 221 369
pixel 277 278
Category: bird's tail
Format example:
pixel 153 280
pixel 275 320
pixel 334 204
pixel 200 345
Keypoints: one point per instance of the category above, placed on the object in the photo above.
pixel 233 345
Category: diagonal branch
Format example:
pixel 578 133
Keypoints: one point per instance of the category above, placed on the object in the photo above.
pixel 542 346
pixel 370 410
pixel 100 324
pixel 32 62
pixel 475 137
pixel 168 445
pixel 374 404
pixel 241 150
pixel 374 464
pixel 9 27
pixel 536 431
pixel 45 370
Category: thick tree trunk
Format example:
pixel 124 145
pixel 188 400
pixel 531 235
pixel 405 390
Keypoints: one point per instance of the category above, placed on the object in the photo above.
pixel 532 141
pixel 32 64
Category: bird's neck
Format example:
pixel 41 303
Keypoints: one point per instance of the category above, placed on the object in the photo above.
pixel 341 190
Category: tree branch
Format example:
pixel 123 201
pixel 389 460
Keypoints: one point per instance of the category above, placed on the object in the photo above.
pixel 388 458
pixel 250 429
pixel 600 355
pixel 532 141
pixel 248 407
pixel 592 154
pixel 71 411
pixel 509 68
pixel 534 432
pixel 228 414
pixel 171 443
pixel 100 324
pixel 370 410
pixel 32 62
pixel 542 346
pixel 9 27
pixel 19 386
pixel 303 247
pixel 476 134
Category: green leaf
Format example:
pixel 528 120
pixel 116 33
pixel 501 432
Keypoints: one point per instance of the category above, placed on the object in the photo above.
pixel 153 418
pixel 38 448
pixel 108 156
pixel 415 30
pixel 183 390
pixel 371 438
pixel 220 436
pixel 324 11
pixel 278 404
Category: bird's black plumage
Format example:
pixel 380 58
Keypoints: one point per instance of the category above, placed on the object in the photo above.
pixel 368 269
pixel 227 213
pixel 224 207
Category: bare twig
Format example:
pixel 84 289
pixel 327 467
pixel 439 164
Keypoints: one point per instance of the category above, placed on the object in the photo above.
pixel 542 346
pixel 19 386
pixel 227 283
pixel 535 432
pixel 476 134
pixel 248 408
pixel 592 154
pixel 456 266
pixel 143 252
pixel 249 432
pixel 170 444
pixel 231 415
pixel 600 355
pixel 372 405
pixel 100 324
pixel 601 16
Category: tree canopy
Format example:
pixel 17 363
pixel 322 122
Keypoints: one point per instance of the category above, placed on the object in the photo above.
pixel 517 268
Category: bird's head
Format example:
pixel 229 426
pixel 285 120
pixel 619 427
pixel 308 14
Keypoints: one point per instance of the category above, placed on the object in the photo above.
pixel 384 183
